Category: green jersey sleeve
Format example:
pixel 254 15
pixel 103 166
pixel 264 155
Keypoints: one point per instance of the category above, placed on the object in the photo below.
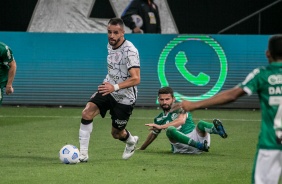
pixel 251 83
pixel 6 54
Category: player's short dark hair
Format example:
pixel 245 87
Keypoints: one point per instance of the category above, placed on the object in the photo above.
pixel 116 21
pixel 166 90
pixel 275 46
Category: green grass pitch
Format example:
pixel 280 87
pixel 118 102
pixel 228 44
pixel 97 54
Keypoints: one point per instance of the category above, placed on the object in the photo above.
pixel 31 138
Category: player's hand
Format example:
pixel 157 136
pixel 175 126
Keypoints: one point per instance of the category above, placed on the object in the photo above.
pixel 154 126
pixel 9 90
pixel 184 106
pixel 176 107
pixel 137 30
pixel 106 88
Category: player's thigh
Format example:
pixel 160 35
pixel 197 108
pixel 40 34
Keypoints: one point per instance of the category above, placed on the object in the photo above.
pixel 267 167
pixel 103 103
pixel 120 115
pixel 90 111
pixel 196 137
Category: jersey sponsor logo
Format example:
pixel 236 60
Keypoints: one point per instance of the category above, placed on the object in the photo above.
pixel 275 100
pixel 275 90
pixel 114 77
pixel 275 79
pixel 110 67
pixel 159 119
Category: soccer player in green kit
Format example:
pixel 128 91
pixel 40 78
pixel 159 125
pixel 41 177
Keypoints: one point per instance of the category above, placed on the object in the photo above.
pixel 183 134
pixel 267 83
pixel 7 70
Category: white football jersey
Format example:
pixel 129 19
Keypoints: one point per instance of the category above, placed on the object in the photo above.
pixel 120 61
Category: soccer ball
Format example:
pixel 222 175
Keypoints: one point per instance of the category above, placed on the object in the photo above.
pixel 69 154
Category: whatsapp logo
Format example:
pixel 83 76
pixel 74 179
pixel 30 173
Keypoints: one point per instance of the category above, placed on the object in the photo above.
pixel 201 79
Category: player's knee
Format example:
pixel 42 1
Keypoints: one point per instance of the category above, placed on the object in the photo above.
pixel 201 126
pixel 85 115
pixel 90 111
pixel 170 131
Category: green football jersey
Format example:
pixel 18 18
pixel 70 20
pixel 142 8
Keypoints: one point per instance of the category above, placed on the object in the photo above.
pixel 267 83
pixel 6 56
pixel 186 128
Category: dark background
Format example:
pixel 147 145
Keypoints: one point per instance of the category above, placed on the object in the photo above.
pixel 191 16
pixel 202 16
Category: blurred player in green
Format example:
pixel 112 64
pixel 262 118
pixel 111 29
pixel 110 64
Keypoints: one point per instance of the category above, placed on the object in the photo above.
pixel 267 83
pixel 183 134
pixel 7 70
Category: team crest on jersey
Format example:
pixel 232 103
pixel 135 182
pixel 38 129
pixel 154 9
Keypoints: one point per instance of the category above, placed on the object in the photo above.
pixel 174 116
pixel 117 57
pixel 275 79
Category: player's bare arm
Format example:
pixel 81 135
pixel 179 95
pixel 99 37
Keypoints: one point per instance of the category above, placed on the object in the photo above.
pixel 133 80
pixel 176 123
pixel 221 98
pixel 11 76
pixel 151 137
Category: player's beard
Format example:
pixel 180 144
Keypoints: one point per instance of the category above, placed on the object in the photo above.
pixel 113 42
pixel 166 107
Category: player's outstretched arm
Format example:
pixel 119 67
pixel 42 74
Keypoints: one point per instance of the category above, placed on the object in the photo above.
pixel 219 99
pixel 151 137
pixel 11 76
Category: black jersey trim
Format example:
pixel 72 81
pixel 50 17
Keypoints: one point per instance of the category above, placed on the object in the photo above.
pixel 133 67
pixel 120 45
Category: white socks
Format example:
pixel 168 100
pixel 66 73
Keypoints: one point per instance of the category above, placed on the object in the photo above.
pixel 84 136
pixel 130 140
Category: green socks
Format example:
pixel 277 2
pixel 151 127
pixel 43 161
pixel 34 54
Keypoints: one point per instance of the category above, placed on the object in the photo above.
pixel 173 134
pixel 206 127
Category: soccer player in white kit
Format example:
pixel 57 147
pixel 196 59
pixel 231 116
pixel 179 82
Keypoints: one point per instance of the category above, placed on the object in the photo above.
pixel 117 93
pixel 267 83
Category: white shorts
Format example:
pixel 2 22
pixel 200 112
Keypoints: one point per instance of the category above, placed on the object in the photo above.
pixel 268 166
pixel 184 148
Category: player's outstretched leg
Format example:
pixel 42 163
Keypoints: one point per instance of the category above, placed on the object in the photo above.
pixel 173 134
pixel 130 147
pixel 219 127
